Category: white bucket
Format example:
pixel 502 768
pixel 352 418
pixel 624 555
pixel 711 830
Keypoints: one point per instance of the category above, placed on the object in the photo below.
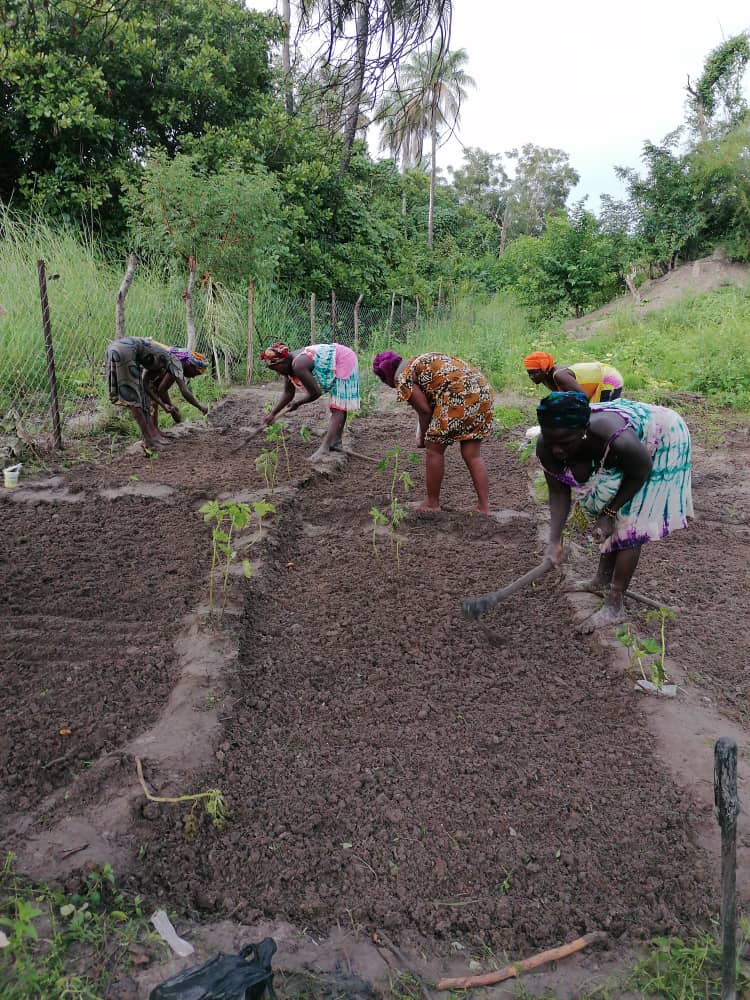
pixel 11 474
pixel 533 432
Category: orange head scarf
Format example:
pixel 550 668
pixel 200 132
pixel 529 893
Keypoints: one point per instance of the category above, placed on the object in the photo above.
pixel 539 362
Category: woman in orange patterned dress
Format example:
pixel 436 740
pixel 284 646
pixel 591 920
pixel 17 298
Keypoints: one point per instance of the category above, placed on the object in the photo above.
pixel 453 401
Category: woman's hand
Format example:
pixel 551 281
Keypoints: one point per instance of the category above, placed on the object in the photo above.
pixel 204 410
pixel 294 405
pixel 603 528
pixel 171 410
pixel 554 552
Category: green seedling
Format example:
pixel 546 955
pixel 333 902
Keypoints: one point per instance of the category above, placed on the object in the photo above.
pixel 647 651
pixel 394 513
pixel 228 517
pixel 305 433
pixel 275 436
pixel 260 509
pixel 267 464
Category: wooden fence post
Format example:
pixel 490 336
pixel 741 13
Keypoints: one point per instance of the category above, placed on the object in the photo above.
pixel 333 315
pixel 250 330
pixel 357 304
pixel 390 318
pixel 312 317
pixel 121 296
pixel 727 808
pixel 188 297
pixel 416 318
pixel 51 376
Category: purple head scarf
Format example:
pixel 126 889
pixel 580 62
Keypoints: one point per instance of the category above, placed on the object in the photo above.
pixel 385 364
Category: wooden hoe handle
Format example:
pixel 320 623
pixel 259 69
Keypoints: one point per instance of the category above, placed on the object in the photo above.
pixel 553 955
pixel 474 607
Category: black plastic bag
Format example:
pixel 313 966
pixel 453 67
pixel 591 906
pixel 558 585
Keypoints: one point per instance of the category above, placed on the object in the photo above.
pixel 246 976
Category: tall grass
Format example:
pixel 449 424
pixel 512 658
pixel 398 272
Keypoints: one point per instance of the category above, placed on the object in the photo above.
pixel 699 344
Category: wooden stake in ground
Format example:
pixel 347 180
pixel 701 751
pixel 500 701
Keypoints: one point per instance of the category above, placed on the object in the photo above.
pixel 510 971
pixel 727 808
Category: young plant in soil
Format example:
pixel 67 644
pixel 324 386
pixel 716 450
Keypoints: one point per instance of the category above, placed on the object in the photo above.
pixel 228 517
pixel 275 436
pixel 647 651
pixel 260 509
pixel 394 513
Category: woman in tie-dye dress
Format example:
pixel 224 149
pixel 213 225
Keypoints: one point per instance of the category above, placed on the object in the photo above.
pixel 319 368
pixel 628 466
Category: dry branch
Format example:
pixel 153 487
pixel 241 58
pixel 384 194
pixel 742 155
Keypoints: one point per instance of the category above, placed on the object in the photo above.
pixel 510 971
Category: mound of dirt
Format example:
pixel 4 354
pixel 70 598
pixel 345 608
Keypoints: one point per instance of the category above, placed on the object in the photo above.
pixel 694 278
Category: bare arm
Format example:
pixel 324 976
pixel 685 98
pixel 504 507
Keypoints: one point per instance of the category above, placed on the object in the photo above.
pixel 419 402
pixel 302 368
pixel 287 395
pixel 187 394
pixel 566 381
pixel 559 505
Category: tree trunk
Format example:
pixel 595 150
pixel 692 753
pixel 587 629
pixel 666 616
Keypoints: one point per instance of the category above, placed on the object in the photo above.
pixel 362 29
pixel 286 59
pixel 433 175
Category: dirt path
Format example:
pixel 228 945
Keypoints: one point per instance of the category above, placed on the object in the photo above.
pixel 384 764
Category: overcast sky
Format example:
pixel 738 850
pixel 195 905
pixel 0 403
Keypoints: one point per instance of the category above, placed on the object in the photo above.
pixel 595 78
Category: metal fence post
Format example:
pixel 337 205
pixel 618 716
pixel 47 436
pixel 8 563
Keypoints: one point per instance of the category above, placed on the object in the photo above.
pixel 727 809
pixel 312 317
pixel 51 377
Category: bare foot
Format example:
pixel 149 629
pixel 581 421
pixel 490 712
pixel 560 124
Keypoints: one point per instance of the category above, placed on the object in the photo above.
pixel 606 615
pixel 586 587
pixel 426 505
pixel 481 510
pixel 320 455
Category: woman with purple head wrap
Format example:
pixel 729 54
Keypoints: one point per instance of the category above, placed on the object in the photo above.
pixel 193 364
pixel 453 402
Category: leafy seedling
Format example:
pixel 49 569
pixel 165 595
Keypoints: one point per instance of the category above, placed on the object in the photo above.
pixel 228 517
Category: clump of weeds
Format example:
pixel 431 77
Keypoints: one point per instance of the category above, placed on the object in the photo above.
pixel 689 971
pixel 58 944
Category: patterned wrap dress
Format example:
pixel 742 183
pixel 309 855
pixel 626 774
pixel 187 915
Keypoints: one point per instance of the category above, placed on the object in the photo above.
pixel 459 393
pixel 127 361
pixel 665 501
pixel 336 370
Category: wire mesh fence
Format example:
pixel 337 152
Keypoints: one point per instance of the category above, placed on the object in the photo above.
pixel 232 328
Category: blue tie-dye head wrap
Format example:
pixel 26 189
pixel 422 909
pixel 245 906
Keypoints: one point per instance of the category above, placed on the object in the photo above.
pixel 566 410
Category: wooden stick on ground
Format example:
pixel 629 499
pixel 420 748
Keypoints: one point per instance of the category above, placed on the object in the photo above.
pixel 552 955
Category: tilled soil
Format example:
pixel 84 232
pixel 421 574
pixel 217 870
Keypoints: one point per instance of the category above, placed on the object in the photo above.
pixel 386 762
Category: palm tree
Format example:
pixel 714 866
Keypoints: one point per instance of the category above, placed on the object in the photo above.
pixel 367 39
pixel 433 85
